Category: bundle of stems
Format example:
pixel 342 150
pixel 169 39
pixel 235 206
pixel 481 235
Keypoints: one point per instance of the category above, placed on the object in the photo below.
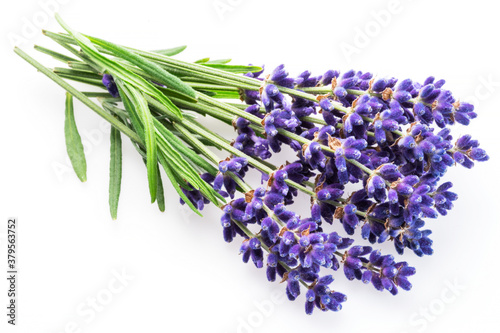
pixel 366 134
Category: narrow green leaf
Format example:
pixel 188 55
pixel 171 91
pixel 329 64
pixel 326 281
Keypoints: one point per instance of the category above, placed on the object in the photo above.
pixel 115 171
pixel 175 184
pixel 181 146
pixel 171 51
pixel 211 87
pixel 140 105
pixel 236 69
pixel 54 54
pixel 60 37
pixel 174 93
pixel 74 144
pixel 109 106
pixel 75 72
pixel 133 116
pixel 202 60
pixel 178 177
pixel 97 94
pixel 185 172
pixel 222 77
pixel 86 80
pixel 80 66
pixel 208 93
pixel 160 195
pixel 169 109
pixel 178 163
pixel 166 91
pixel 219 61
pixel 226 95
pixel 151 68
pixel 116 69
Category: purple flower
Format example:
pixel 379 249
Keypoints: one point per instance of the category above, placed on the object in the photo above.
pixel 466 150
pixel 322 297
pixel 110 84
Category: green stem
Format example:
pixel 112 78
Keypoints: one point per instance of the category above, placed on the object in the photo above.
pixel 252 161
pixel 257 121
pixel 231 109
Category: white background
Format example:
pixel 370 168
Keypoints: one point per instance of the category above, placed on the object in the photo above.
pixel 182 276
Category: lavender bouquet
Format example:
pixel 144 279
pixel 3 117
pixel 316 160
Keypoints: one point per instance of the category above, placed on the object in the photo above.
pixel 370 155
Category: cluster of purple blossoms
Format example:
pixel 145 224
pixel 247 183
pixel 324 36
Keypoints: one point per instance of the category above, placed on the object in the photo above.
pixel 390 137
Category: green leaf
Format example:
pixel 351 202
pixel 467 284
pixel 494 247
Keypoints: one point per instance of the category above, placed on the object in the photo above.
pixel 183 67
pixel 177 188
pixel 97 94
pixel 86 80
pixel 74 144
pixel 116 69
pixel 174 93
pixel 133 116
pixel 172 51
pixel 160 75
pixel 110 106
pixel 226 95
pixel 208 93
pixel 178 163
pixel 171 109
pixel 202 60
pixel 236 69
pixel 219 61
pixel 53 54
pixel 182 148
pixel 160 195
pixel 75 72
pixel 185 172
pixel 115 171
pixel 166 91
pixel 140 106
pixel 80 66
